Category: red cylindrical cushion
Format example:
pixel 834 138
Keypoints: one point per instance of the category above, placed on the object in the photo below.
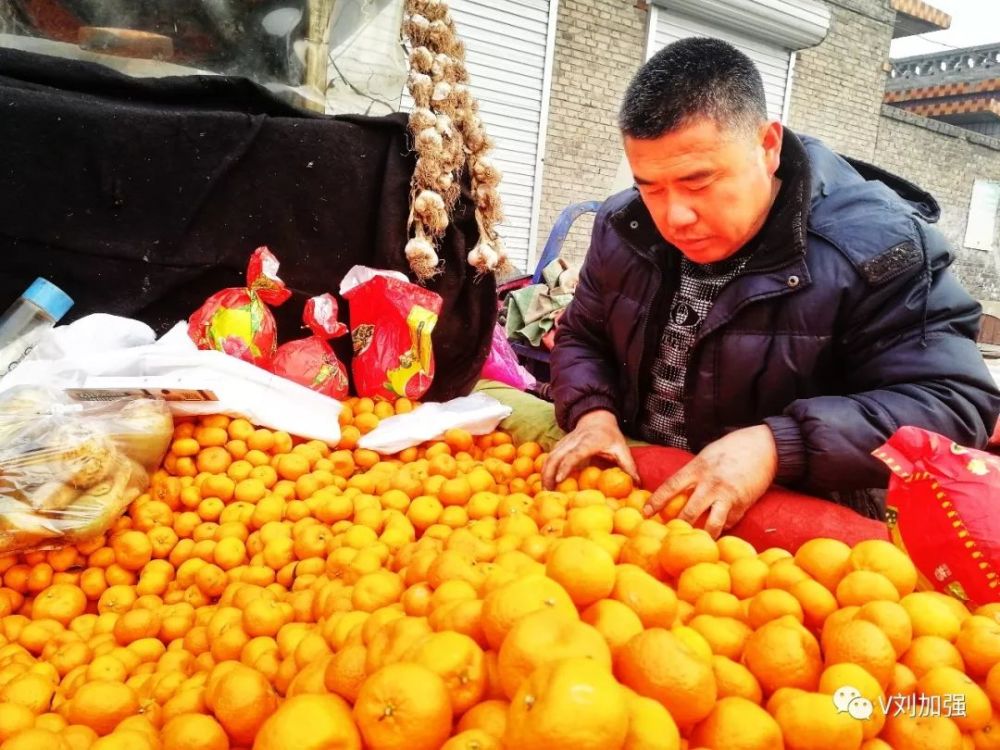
pixel 781 518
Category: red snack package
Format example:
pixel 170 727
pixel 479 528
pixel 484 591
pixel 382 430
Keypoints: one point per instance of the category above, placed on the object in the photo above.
pixel 944 512
pixel 391 324
pixel 311 362
pixel 781 518
pixel 237 321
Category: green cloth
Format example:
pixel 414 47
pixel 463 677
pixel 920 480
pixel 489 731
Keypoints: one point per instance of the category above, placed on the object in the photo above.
pixel 531 310
pixel 532 419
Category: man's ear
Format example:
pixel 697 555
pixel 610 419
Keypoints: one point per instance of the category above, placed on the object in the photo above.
pixel 771 134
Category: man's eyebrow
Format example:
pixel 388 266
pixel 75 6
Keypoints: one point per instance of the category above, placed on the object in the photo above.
pixel 692 177
pixel 699 175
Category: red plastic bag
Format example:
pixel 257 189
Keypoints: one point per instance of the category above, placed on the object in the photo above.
pixel 502 365
pixel 781 518
pixel 237 321
pixel 311 362
pixel 391 324
pixel 944 512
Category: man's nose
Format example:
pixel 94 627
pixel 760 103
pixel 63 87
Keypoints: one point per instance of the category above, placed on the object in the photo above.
pixel 680 215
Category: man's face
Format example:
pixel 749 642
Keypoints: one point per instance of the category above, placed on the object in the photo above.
pixel 709 190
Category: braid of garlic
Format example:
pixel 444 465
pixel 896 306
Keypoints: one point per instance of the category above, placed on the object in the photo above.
pixel 448 137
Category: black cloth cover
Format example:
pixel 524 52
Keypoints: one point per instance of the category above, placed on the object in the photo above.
pixel 142 197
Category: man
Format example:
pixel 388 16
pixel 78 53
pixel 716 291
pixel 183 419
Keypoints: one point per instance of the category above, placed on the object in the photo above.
pixel 757 299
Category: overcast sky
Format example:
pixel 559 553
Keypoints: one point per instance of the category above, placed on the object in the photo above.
pixel 973 22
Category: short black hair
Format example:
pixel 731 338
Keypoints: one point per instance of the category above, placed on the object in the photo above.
pixel 691 78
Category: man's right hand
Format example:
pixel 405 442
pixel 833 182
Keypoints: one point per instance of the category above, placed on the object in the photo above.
pixel 596 434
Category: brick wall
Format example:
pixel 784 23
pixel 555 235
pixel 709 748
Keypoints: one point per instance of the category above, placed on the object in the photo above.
pixel 945 161
pixel 836 96
pixel 837 85
pixel 599 46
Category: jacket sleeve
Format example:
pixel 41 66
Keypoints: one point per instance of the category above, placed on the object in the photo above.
pixel 582 365
pixel 909 358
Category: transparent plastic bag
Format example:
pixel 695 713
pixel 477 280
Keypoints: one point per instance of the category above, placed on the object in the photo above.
pixel 368 65
pixel 334 55
pixel 69 469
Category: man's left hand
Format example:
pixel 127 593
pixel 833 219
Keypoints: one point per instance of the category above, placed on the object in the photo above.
pixel 727 477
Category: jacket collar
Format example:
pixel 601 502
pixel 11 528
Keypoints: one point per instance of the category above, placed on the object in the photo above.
pixel 780 241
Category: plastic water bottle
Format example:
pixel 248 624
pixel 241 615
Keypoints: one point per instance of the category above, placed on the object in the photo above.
pixel 28 319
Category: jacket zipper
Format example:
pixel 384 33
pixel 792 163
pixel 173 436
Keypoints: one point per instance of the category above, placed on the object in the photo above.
pixel 647 347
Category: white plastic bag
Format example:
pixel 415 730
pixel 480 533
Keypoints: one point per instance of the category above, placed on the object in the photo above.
pixel 193 382
pixel 478 414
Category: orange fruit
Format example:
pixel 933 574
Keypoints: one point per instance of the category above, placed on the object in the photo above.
pixel 567 704
pixel 863 643
pixel 404 706
pixel 734 679
pixel 732 548
pixel 194 732
pixel 862 586
pixel 78 737
pixel 309 722
pixel 650 725
pixel 893 620
pixel 546 636
pixel 955 687
pixel 887 559
pixel 102 705
pixel 992 685
pixel 242 700
pixel 653 601
pixel 682 550
pixel 61 602
pixel 33 691
pixel 506 605
pixel 921 732
pixel 841 677
pixel 770 604
pixel 345 672
pixel 978 642
pixel 615 483
pixel 987 738
pixel 903 681
pixel 35 739
pixel 702 578
pixel 616 622
pixel 816 601
pixel 784 573
pixel 583 568
pixel 826 560
pixel 719 604
pixel 782 653
pixel 724 635
pixel 459 661
pixel 13 718
pixel 748 576
pixel 737 724
pixel 929 651
pixel 811 721
pixel 658 665
pixel 132 549
pixel 472 739
pixel 490 716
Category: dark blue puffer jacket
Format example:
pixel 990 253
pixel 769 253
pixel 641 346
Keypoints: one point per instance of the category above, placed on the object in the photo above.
pixel 842 329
